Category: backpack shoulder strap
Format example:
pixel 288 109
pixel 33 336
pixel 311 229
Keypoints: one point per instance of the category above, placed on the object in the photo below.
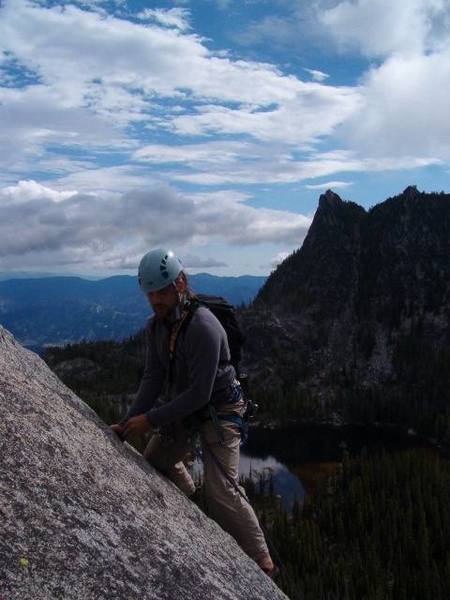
pixel 185 319
pixel 186 316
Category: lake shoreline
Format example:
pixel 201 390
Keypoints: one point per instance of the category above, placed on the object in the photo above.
pixel 337 423
pixel 313 452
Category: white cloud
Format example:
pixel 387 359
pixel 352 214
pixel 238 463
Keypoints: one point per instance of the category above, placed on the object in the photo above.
pixel 405 109
pixel 170 17
pixel 317 75
pixel 26 191
pixel 102 90
pixel 112 180
pixel 219 163
pixel 105 230
pixel 95 74
pixel 192 261
pixel 278 259
pixel 314 113
pixel 194 154
pixel 329 185
pixel 35 117
pixel 382 27
pixel 120 54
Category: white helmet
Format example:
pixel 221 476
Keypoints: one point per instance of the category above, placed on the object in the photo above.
pixel 158 269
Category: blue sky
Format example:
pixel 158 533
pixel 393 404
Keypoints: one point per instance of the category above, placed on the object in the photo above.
pixel 209 126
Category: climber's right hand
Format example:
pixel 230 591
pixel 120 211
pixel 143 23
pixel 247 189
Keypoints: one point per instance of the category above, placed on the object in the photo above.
pixel 118 428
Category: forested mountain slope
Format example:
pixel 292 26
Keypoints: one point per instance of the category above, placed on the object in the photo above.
pixel 360 314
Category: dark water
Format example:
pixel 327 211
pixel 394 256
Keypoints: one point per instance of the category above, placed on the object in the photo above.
pixel 299 457
pixel 325 443
pixel 286 483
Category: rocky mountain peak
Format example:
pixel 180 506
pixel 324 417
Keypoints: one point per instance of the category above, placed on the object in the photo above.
pixel 328 254
pixel 360 283
pixel 411 192
pixel 334 217
pixel 329 200
pixel 84 516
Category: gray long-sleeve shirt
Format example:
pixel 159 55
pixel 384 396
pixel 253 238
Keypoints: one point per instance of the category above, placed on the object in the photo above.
pixel 201 372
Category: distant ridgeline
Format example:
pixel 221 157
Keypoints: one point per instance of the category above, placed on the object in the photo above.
pixel 62 310
pixel 358 317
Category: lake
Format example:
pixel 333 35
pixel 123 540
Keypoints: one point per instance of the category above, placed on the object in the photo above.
pixel 299 457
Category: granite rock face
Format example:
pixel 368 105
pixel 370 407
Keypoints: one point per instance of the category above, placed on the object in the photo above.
pixel 84 517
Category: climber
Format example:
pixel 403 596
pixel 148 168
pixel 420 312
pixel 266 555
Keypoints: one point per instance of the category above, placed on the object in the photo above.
pixel 189 369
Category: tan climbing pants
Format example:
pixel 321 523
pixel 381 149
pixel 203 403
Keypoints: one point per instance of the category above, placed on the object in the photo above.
pixel 225 505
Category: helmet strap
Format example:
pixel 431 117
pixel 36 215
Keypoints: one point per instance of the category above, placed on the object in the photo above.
pixel 182 299
pixel 182 303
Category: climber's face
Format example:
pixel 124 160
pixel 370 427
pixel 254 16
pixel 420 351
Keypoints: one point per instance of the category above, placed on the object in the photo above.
pixel 165 301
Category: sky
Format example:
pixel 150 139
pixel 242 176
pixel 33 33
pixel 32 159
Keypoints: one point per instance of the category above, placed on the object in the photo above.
pixel 209 126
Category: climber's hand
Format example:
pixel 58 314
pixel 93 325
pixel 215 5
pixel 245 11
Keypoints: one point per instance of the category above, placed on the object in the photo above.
pixel 118 428
pixel 138 424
